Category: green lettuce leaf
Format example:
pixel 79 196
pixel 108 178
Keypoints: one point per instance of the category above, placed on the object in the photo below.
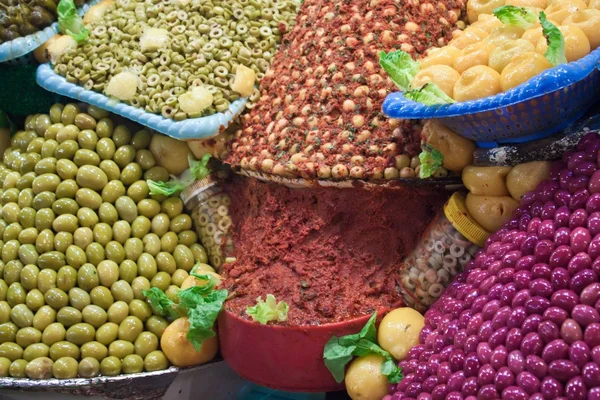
pixel 203 315
pixel 161 304
pixel 400 67
pixel 168 188
pixel 269 310
pixel 556 42
pixel 339 352
pixel 430 95
pixel 200 168
pixel 431 160
pixel 69 22
pixel 517 16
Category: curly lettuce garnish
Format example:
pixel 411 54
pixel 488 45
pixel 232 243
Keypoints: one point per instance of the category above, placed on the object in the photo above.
pixel 400 67
pixel 516 16
pixel 556 42
pixel 198 170
pixel 339 351
pixel 69 22
pixel 269 310
pixel 161 304
pixel 431 160
pixel 430 95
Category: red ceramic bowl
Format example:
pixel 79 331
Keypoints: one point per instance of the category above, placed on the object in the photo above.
pixel 279 357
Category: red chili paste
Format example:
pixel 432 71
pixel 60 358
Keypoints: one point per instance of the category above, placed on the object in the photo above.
pixel 330 253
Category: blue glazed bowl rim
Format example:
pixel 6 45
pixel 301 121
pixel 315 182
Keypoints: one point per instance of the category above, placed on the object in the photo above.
pixel 396 105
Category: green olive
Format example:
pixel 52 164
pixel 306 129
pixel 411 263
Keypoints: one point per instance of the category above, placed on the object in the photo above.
pixel 83 237
pixel 28 254
pixel 12 270
pixel 140 227
pixel 85 121
pixel 94 315
pixel 160 224
pixel 131 173
pixel 28 235
pixel 35 300
pixel 95 350
pixel 25 199
pixel 66 150
pixel 141 139
pixel 88 368
pixel 40 368
pixel 179 276
pixel 96 112
pixel 120 348
pixel 112 191
pixel 4 288
pixel 184 258
pixel 140 309
pixel 67 189
pixel 152 243
pixel 121 231
pixel 81 333
pixel 173 207
pixel 45 241
pixel 64 349
pixel 21 316
pixel 65 223
pixel 145 159
pixel 102 233
pixel 66 278
pixel 4 367
pixel 43 200
pixel 79 298
pixel 44 219
pixel 10 212
pixel 107 333
pixel 124 155
pixel 76 257
pixel 102 297
pixel 117 312
pixel 147 266
pixel 69 113
pixel 44 317
pixel 27 336
pixel 62 241
pixel 166 263
pixel 104 128
pixel 148 208
pixel 65 206
pixel 157 174
pixel 95 253
pixel 10 250
pixel 110 366
pixel 138 285
pixel 133 364
pixel 156 361
pixel 105 147
pixel 122 291
pixel 69 316
pixel 168 242
pixel 66 169
pixel 91 177
pixel 53 260
pixel 115 251
pixel 145 343
pixel 54 333
pixel 46 166
pixel 108 214
pixel 56 298
pixel 17 369
pixel 15 294
pixel 161 280
pixel 88 198
pixel 87 217
pixel 138 191
pixel 121 135
pixel 13 351
pixel 111 169
pixel 126 208
pixel 10 195
pixel 65 368
pixel 25 182
pixel 188 238
pixel 84 157
pixel 42 122
pixel 87 277
pixel 8 332
pixel 128 271
pixel 87 139
pixel 12 231
pixel 29 162
pixel 68 132
pixel 4 312
pixel 35 351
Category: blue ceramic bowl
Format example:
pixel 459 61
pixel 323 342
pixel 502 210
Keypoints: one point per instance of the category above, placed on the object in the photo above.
pixel 544 105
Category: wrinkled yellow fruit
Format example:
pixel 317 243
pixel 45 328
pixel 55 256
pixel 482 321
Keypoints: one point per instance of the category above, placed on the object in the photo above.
pixel 487 22
pixel 491 212
pixel 179 351
pixel 577 44
pixel 457 150
pixel 153 39
pixel 476 83
pixel 525 177
pixel 439 56
pixel 589 22
pixel 486 181
pixel 533 35
pixel 473 55
pixel 60 46
pixel 123 86
pixel 95 14
pixel 558 10
pixel 594 4
pixel 198 99
pixel 244 80
pixel 470 36
pixel 503 33
pixel 502 55
pixel 522 68
pixel 193 281
pixel 477 7
pixel 528 3
pixel 399 331
pixel 364 380
pixel 443 76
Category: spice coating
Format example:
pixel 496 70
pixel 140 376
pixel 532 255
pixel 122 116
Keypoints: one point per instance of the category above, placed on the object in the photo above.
pixel 331 254
pixel 320 109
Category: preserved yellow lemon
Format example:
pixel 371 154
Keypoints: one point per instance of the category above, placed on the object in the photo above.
pixel 503 33
pixel 457 151
pixel 491 212
pixel 528 3
pixel 399 331
pixel 364 380
pixel 559 10
pixel 589 22
pixel 179 350
pixel 442 75
pixel 522 68
pixel 470 36
pixel 533 35
pixel 440 56
pixel 486 181
pixel 503 54
pixel 470 56
pixel 477 7
pixel 577 44
pixel 525 177
pixel 476 83
pixel 594 4
pixel 487 22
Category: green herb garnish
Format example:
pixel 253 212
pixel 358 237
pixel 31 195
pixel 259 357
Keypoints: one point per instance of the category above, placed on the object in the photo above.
pixel 431 160
pixel 400 67
pixel 556 42
pixel 269 310
pixel 430 95
pixel 517 16
pixel 69 21
pixel 198 170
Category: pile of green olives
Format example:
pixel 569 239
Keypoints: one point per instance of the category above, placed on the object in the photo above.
pixel 80 239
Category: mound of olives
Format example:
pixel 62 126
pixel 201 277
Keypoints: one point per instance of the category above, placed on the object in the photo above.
pixel 81 238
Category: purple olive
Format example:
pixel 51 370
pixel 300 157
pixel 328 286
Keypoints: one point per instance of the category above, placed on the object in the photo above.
pixel 593 223
pixel 501 317
pixel 472 341
pixel 556 349
pixel 536 396
pixel 596 354
pixel 586 168
pixel 499 357
pixel 516 318
pixel 529 243
pixel 510 259
pixel 556 315
pixel 471 365
pixel 571 331
pixel 563 370
pixel 596 265
pixel 488 392
pixel 506 275
pixel 525 263
pixel 564 177
pixel 513 339
pixel 460 338
pixel 536 366
pixel 560 257
pixel 496 291
pixel 439 392
pixel 537 305
pixel 429 384
pixel 470 387
pixel 578 218
pixel 504 378
pixel 592 335
pixel 591 374
pixel 594 185
pixel 486 375
pixel 531 323
pixel 456 360
pixel 521 279
pixel 456 381
pixel 551 388
pixel 562 198
pixel 565 299
pixel 498 338
pixel 454 396
pixel 580 194
pixel 424 396
pixel 528 382
pixel 532 344
pixel 546 230
pixel 580 353
pixel 593 204
pixel 562 215
pixel 541 271
pixel 585 315
pixel 579 262
pixel 421 372
pixel 562 236
pixel 484 353
pixel 522 295
pixel 491 308
pixel 514 393
pixel 594 247
pixel 433 364
pixel 582 279
pixel 575 389
pixel 580 239
pixel 444 372
pixel 560 278
pixel 541 287
pixel 543 250
pixel 481 301
pixel 516 362
pixel 413 389
pixel 576 158
pixel 474 324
